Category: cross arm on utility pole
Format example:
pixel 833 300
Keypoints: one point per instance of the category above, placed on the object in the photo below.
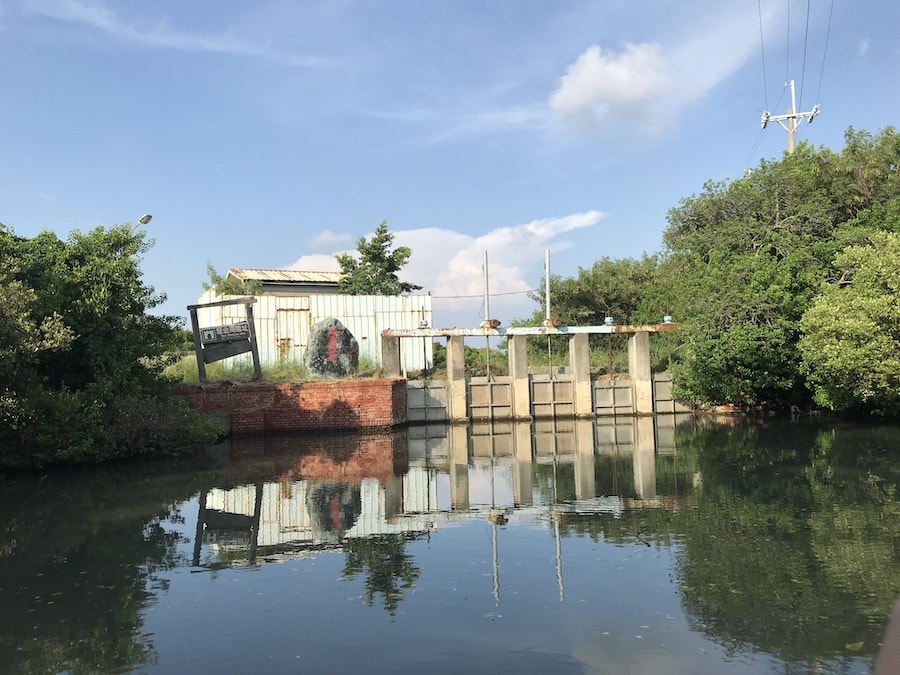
pixel 788 121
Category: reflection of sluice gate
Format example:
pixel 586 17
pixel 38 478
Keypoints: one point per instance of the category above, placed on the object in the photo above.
pixel 521 455
pixel 490 471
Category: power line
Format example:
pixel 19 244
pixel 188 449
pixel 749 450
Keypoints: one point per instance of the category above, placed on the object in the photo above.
pixel 762 48
pixel 825 50
pixel 464 297
pixel 803 63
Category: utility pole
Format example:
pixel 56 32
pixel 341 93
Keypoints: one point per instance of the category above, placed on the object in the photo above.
pixel 791 117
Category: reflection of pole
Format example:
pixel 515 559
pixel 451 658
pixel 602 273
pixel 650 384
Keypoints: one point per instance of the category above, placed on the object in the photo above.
pixel 494 557
pixel 201 522
pixel 555 516
pixel 559 577
pixel 496 564
pixel 257 517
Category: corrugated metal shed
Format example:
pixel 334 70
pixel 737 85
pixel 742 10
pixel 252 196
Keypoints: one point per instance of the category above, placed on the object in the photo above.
pixel 283 322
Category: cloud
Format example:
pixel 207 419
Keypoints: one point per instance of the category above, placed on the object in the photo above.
pixel 618 85
pixel 863 46
pixel 648 84
pixel 449 265
pixel 328 240
pixel 161 36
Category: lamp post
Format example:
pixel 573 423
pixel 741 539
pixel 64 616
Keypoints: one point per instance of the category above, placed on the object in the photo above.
pixel 143 220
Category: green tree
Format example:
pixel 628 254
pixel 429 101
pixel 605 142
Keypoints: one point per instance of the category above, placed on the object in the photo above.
pixel 851 334
pixel 374 272
pixel 84 378
pixel 745 260
pixel 229 285
pixel 627 290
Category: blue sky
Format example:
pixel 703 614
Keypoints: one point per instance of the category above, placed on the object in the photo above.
pixel 275 134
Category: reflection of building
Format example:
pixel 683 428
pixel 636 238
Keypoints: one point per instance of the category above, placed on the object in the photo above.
pixel 552 466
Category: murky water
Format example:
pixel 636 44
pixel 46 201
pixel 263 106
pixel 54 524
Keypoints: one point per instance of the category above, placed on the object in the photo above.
pixel 626 546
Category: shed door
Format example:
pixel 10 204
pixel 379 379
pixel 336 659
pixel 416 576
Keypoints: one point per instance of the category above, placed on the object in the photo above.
pixel 292 333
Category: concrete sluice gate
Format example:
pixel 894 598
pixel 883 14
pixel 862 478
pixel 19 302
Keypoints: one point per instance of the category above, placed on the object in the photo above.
pixel 523 395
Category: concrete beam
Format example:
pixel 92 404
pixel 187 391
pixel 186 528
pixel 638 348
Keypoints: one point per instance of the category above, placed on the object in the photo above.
pixel 390 356
pixel 531 330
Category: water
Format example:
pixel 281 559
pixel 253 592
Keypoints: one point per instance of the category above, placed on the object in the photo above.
pixel 607 546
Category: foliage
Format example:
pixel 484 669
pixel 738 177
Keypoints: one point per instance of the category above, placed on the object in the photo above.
pixel 80 348
pixel 742 266
pixel 790 544
pixel 477 360
pixel 626 290
pixel 229 285
pixel 375 271
pixel 745 260
pixel 851 334
pixel 388 568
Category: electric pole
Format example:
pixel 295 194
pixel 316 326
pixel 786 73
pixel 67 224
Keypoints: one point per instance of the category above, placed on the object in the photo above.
pixel 789 121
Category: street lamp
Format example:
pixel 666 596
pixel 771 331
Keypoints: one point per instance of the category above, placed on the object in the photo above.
pixel 143 220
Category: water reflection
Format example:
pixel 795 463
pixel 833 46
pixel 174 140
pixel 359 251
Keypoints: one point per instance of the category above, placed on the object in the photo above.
pixel 410 483
pixel 779 540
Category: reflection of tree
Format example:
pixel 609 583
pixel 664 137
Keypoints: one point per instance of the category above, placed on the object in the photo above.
pixel 81 567
pixel 793 542
pixel 390 568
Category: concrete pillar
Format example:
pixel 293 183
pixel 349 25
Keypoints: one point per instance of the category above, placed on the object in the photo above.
pixel 459 467
pixel 456 377
pixel 518 371
pixel 645 458
pixel 522 475
pixel 639 370
pixel 390 356
pixel 580 363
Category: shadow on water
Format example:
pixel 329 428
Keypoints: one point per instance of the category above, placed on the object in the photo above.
pixel 786 536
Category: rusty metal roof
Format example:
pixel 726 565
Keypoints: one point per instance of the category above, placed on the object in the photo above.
pixel 286 276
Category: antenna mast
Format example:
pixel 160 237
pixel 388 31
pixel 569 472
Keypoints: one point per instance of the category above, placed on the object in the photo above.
pixel 791 117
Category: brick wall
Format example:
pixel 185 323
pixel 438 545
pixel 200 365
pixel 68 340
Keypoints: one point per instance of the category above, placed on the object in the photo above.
pixel 330 405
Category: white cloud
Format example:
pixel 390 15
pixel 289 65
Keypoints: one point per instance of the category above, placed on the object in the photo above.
pixel 162 36
pixel 328 240
pixel 618 85
pixel 448 264
pixel 864 46
pixel 648 84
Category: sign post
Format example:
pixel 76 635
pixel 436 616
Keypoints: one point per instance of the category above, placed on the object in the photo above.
pixel 215 343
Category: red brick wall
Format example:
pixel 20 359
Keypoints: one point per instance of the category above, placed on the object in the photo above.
pixel 324 406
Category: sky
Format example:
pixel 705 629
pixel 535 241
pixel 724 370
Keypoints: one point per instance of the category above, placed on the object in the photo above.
pixel 275 134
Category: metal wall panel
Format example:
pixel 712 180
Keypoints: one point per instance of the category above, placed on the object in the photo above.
pixel 283 323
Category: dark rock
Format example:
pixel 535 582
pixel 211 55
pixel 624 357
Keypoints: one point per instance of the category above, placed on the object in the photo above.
pixel 332 350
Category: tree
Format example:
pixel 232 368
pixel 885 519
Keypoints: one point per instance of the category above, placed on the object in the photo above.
pixel 375 271
pixel 230 286
pixel 745 260
pixel 851 334
pixel 81 375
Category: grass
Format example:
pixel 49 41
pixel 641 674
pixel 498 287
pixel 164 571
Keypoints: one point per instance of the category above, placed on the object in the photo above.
pixel 185 370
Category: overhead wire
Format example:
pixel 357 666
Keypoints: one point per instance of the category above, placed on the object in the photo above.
pixel 825 51
pixel 803 62
pixel 762 49
pixel 762 44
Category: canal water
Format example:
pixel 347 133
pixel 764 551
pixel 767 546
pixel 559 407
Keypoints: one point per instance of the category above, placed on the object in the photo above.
pixel 666 545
